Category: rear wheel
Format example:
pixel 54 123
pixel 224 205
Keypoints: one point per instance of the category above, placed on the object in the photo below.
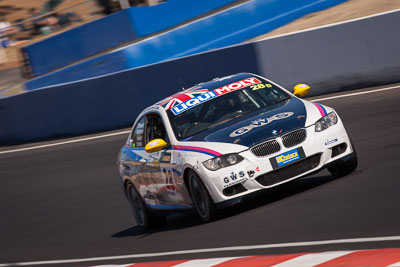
pixel 202 201
pixel 142 215
pixel 343 168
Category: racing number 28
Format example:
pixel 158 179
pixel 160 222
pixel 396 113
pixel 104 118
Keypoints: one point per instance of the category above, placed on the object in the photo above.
pixel 260 86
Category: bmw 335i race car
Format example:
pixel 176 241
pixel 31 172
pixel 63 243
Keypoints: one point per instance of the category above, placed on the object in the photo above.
pixel 208 146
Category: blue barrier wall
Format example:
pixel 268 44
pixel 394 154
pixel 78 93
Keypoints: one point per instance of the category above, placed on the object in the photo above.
pixel 111 101
pixel 329 59
pixel 151 19
pixel 103 65
pixel 226 28
pixel 229 27
pixel 79 43
pixel 113 30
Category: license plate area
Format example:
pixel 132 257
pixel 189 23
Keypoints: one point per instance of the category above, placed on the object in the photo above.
pixel 286 158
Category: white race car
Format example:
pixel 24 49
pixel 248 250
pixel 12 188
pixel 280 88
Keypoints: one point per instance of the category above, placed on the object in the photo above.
pixel 208 146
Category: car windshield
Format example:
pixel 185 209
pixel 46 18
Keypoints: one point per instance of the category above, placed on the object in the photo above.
pixel 224 108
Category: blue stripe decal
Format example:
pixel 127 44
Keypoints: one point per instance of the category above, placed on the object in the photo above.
pixel 326 113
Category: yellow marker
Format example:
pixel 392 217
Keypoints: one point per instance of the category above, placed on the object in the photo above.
pixel 301 90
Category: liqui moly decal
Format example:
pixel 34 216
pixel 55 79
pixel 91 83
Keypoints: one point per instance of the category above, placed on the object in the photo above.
pixel 193 102
pixel 181 97
pixel 260 122
pixel 212 94
pixel 236 86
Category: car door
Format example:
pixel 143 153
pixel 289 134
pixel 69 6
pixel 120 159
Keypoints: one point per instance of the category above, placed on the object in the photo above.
pixel 135 160
pixel 161 169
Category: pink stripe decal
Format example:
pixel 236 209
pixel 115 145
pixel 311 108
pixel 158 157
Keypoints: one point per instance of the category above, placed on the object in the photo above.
pixel 198 149
pixel 320 109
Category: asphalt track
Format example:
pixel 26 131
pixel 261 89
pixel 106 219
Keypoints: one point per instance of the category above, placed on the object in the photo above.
pixel 65 202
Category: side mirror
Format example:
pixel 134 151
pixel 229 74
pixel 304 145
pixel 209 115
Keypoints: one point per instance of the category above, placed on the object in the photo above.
pixel 301 90
pixel 155 145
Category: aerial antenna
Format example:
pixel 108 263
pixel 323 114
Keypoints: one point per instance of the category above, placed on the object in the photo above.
pixel 180 81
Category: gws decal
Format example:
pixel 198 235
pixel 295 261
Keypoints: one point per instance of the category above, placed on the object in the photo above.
pixel 235 178
pixel 260 122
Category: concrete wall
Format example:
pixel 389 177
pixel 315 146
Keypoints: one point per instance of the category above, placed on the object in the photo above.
pixel 111 101
pixel 78 43
pixel 111 31
pixel 147 20
pixel 228 27
pixel 344 56
pixel 356 54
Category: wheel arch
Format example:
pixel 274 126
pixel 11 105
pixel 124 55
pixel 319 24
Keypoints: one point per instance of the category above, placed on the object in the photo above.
pixel 186 171
pixel 125 182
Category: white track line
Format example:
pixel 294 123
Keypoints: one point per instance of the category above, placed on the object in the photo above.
pixel 207 250
pixel 65 142
pixel 125 132
pixel 359 93
pixel 332 24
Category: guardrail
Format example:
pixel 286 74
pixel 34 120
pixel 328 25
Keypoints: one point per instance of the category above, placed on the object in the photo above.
pixel 334 58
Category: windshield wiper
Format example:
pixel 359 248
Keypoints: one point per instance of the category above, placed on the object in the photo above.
pixel 281 100
pixel 222 122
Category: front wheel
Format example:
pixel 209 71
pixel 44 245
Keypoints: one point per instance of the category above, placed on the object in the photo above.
pixel 202 201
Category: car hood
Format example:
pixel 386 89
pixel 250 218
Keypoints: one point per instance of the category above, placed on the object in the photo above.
pixel 259 126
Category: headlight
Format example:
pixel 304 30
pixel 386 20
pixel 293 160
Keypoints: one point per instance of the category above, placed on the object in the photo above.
pixel 222 161
pixel 326 122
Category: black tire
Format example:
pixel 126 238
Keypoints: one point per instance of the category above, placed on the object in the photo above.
pixel 144 218
pixel 343 168
pixel 202 201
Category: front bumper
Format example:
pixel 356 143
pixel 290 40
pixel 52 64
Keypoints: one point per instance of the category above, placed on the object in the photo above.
pixel 254 173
